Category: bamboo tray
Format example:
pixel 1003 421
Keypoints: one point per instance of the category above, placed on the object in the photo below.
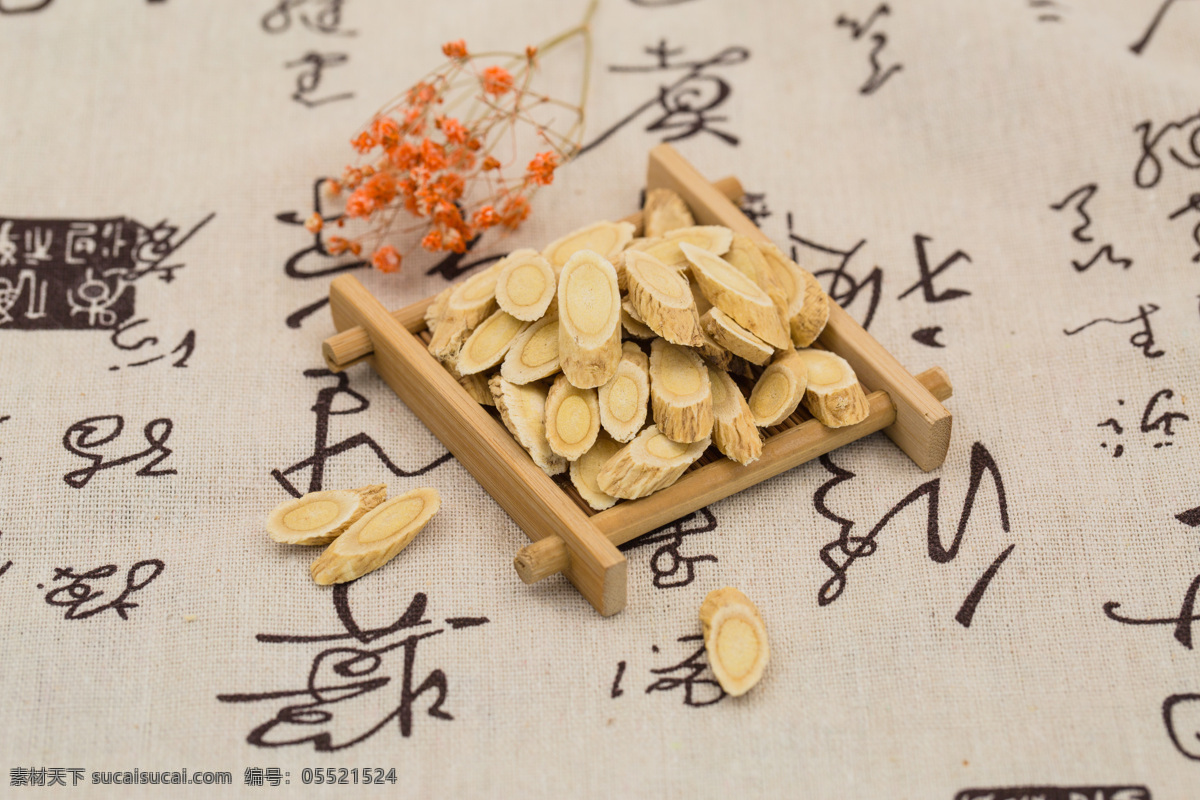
pixel 568 536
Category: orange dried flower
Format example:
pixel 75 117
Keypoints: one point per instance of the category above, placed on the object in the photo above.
pixel 446 214
pixel 414 121
pixel 359 204
pixel 450 186
pixel 381 189
pixel 496 80
pixel 432 241
pixel 454 242
pixel 461 159
pixel 432 165
pixel 516 209
pixel 422 94
pixel 386 131
pixel 404 156
pixel 386 259
pixel 433 155
pixel 541 168
pixel 485 217
pixel 363 142
pixel 314 223
pixel 454 130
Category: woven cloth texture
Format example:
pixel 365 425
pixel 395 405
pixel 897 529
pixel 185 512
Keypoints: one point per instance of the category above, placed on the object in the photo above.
pixel 1008 190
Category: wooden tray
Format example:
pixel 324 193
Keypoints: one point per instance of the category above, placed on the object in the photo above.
pixel 568 536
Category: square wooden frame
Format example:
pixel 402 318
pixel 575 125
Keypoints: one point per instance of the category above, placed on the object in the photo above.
pixel 568 536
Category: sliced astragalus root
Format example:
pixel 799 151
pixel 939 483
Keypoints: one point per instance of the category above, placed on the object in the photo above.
pixel 747 258
pixel 437 309
pixel 734 337
pixel 680 394
pixel 471 302
pixel 588 466
pixel 649 463
pixel 448 339
pixel 642 242
pixel 735 639
pixel 376 537
pixel 488 344
pixel 737 295
pixel 604 238
pixel 572 419
pixel 665 211
pixel 808 305
pixel 525 285
pixel 662 298
pixel 625 399
pixel 786 271
pixel 589 320
pixel 734 432
pixel 713 238
pixel 833 394
pixel 779 389
pixel 702 304
pixel 523 411
pixel 741 368
pixel 320 517
pixel 713 353
pixel 807 321
pixel 475 385
pixel 633 324
pixel 533 354
pixel 618 262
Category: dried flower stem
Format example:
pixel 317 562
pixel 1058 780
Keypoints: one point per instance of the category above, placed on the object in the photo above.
pixel 446 172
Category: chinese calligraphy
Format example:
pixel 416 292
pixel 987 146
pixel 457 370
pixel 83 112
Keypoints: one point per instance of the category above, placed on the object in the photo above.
pixel 336 710
pixel 321 17
pixel 687 675
pixel 839 554
pixel 879 73
pixel 77 593
pixel 1082 196
pixel 667 561
pixel 323 451
pixel 1163 422
pixel 1140 45
pixel 82 437
pixel 1142 339
pixel 80 274
pixel 686 104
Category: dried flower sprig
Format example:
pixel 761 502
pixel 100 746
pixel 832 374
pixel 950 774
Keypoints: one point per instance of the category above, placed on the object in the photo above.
pixel 457 176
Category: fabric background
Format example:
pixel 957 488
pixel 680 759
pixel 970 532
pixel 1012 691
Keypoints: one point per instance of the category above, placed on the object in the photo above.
pixel 174 111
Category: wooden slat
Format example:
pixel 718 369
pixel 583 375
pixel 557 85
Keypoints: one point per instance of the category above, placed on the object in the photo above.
pixel 720 479
pixel 922 425
pixel 483 446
